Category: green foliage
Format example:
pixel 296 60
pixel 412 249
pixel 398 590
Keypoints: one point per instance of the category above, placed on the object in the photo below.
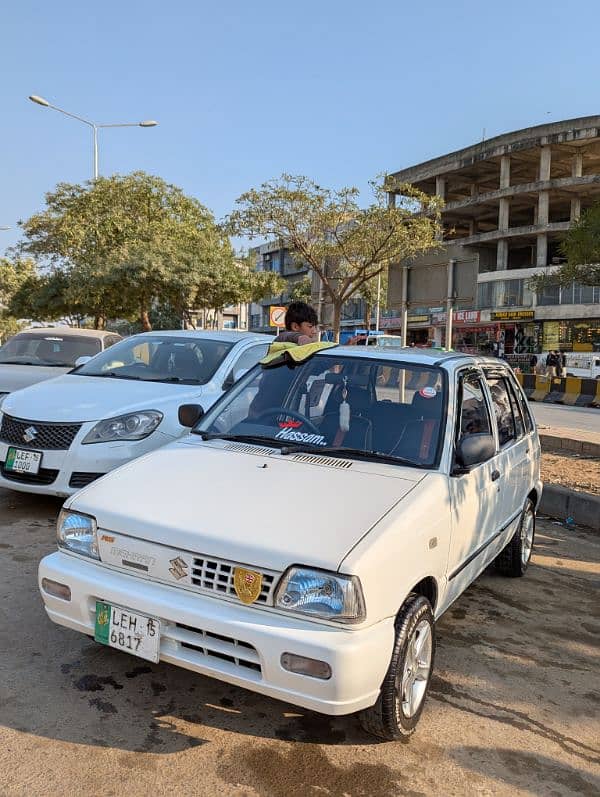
pixel 346 245
pixel 124 242
pixel 14 274
pixel 581 247
pixel 301 290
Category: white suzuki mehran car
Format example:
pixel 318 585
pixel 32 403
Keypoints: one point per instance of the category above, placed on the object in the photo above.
pixel 60 435
pixel 302 541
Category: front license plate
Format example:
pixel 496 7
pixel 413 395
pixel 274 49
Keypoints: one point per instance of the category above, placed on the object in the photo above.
pixel 128 631
pixel 21 461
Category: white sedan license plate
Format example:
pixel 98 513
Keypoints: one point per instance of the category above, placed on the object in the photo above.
pixel 128 631
pixel 19 460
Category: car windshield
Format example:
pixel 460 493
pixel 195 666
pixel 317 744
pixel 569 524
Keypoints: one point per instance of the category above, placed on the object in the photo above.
pixel 333 403
pixel 50 349
pixel 157 358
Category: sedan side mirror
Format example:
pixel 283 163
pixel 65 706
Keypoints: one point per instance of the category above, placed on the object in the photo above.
pixel 82 360
pixel 473 449
pixel 232 378
pixel 190 414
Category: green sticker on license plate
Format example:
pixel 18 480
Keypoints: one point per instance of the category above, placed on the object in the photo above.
pixel 103 612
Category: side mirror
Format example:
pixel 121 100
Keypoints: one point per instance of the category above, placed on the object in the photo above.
pixel 190 414
pixel 232 378
pixel 82 360
pixel 474 449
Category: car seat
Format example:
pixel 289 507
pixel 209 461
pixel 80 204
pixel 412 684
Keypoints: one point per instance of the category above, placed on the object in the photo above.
pixel 360 433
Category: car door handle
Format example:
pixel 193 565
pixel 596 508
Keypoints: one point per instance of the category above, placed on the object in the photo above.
pixel 495 475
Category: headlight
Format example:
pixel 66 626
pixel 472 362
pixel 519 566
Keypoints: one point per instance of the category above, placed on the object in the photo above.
pixel 328 596
pixel 133 426
pixel 77 533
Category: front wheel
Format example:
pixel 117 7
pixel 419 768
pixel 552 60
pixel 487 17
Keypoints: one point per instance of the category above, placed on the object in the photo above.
pixel 514 559
pixel 396 713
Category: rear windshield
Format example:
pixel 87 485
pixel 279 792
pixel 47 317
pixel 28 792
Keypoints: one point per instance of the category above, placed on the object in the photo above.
pixel 48 349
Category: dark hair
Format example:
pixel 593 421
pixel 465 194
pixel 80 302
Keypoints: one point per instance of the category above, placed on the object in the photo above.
pixel 298 312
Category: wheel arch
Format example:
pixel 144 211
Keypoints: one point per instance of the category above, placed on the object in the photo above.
pixel 428 588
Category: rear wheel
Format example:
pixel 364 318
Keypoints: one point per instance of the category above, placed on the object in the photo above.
pixel 514 559
pixel 396 713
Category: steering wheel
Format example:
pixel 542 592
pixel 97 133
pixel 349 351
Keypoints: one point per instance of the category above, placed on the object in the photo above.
pixel 271 411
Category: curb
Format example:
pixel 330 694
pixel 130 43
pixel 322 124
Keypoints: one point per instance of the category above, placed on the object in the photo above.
pixel 551 442
pixel 562 503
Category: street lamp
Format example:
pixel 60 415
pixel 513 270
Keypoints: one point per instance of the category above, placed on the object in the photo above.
pixel 95 127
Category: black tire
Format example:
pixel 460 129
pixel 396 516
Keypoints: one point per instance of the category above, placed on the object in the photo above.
pixel 514 560
pixel 387 719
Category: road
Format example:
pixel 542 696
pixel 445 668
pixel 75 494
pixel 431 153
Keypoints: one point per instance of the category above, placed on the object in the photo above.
pixel 513 708
pixel 562 416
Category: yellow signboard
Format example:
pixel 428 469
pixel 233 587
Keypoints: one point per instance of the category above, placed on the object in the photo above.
pixel 277 316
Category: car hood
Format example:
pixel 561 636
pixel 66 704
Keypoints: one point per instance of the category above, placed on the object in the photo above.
pixel 72 398
pixel 15 377
pixel 267 511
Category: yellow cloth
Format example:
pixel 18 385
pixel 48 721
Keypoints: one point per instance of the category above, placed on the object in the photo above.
pixel 280 352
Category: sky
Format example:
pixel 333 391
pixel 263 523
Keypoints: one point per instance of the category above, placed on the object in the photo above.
pixel 244 91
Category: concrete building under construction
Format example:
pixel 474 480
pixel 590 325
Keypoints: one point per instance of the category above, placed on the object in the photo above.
pixel 508 203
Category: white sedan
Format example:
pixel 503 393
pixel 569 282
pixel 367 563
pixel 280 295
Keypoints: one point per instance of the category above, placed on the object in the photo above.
pixel 302 541
pixel 62 434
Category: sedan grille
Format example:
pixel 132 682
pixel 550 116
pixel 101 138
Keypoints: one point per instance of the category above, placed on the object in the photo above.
pixel 38 435
pixel 43 476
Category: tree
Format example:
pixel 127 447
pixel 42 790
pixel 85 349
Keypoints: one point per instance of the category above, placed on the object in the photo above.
pixel 124 242
pixel 347 246
pixel 581 247
pixel 13 275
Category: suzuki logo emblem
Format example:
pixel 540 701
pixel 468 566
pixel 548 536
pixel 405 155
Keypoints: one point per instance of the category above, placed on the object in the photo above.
pixel 179 568
pixel 30 434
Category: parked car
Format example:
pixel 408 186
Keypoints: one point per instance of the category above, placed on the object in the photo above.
pixel 302 541
pixel 60 435
pixel 43 353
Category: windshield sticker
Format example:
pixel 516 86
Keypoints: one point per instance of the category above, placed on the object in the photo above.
pixel 300 437
pixel 289 424
pixel 428 392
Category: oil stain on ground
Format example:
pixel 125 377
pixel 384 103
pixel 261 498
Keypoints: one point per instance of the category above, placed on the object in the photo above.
pixel 305 769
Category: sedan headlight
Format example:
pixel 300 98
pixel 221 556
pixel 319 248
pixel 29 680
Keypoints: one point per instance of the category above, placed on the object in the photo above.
pixel 133 426
pixel 77 533
pixel 329 596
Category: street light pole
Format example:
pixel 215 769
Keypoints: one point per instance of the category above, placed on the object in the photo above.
pixel 95 127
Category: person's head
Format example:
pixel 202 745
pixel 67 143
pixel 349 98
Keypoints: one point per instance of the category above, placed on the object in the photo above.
pixel 301 317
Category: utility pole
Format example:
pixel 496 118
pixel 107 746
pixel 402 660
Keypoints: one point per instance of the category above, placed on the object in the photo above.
pixel 450 303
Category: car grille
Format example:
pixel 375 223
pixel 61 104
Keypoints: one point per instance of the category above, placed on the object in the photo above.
pixel 217 576
pixel 82 479
pixel 48 436
pixel 43 476
pixel 217 646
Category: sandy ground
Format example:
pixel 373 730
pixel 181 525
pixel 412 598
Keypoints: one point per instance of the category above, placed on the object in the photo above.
pixel 513 708
pixel 573 471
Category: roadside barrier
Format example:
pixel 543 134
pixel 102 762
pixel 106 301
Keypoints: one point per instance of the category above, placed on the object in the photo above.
pixel 556 390
pixel 569 390
pixel 541 389
pixel 587 395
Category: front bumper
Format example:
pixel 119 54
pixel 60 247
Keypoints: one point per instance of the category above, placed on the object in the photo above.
pixel 64 472
pixel 237 644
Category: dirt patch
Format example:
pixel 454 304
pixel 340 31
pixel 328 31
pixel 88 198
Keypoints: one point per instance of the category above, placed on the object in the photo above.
pixel 574 471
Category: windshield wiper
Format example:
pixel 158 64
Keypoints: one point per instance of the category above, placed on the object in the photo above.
pixel 175 379
pixel 358 453
pixel 19 362
pixel 241 438
pixel 111 374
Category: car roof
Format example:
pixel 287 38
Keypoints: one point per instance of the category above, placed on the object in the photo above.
pixel 228 335
pixel 450 360
pixel 66 332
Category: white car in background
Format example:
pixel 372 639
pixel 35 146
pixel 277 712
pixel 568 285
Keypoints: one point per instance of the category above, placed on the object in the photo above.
pixel 306 536
pixel 42 353
pixel 60 435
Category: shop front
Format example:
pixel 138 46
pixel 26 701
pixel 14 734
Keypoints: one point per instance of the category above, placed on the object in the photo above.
pixel 516 332
pixel 581 334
